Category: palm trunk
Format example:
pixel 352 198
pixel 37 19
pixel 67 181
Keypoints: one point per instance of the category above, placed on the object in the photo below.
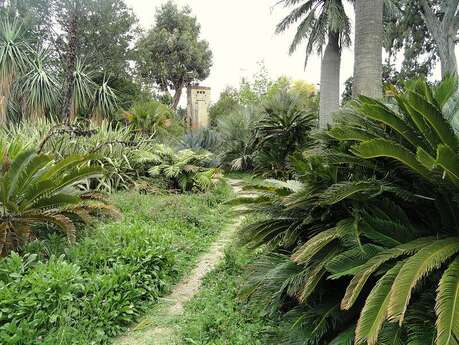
pixel 70 68
pixel 329 81
pixel 369 33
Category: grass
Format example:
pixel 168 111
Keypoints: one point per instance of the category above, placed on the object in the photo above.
pixel 85 294
pixel 218 315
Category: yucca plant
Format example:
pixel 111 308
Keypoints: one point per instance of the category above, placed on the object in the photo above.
pixel 83 88
pixel 104 102
pixel 36 190
pixel 38 89
pixel 14 52
pixel 185 169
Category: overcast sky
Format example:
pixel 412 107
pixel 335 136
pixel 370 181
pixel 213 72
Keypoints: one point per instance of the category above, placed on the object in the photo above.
pixel 241 33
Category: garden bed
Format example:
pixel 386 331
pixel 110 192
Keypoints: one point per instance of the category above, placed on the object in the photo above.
pixel 90 292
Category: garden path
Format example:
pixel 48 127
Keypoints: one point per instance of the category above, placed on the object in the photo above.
pixel 159 327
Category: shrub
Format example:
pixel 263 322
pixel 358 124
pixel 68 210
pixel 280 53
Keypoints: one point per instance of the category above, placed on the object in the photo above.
pixel 363 248
pixel 283 128
pixel 113 143
pixel 185 169
pixel 34 189
pixel 91 291
pixel 150 116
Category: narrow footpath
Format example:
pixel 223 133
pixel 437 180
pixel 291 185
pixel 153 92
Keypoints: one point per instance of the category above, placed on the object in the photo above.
pixel 159 326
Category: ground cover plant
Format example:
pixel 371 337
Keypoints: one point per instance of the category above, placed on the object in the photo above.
pixel 87 293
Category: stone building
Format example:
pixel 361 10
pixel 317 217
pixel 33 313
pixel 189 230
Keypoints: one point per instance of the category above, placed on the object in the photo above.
pixel 198 106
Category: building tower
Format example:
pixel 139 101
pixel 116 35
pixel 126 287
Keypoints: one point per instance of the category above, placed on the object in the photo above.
pixel 198 106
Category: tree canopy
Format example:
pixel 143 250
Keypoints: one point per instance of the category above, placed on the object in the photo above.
pixel 172 55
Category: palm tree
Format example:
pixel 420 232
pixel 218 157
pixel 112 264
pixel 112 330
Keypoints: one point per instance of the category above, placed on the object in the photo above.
pixel 369 35
pixel 322 21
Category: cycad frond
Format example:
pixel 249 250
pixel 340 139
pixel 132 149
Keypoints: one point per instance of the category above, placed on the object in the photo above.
pixel 447 306
pixel 415 268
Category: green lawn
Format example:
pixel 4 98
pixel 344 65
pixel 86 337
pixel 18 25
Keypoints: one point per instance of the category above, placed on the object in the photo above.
pixel 88 293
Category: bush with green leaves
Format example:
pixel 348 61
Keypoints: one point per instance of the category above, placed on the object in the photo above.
pixel 282 129
pixel 236 133
pixel 37 190
pixel 113 143
pixel 185 170
pixel 150 116
pixel 93 290
pixel 364 245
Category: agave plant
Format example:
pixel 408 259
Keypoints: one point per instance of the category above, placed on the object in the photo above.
pixel 185 169
pixel 373 215
pixel 35 189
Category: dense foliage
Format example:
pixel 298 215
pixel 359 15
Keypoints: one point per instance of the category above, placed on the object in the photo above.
pixel 90 292
pixel 36 190
pixel 363 244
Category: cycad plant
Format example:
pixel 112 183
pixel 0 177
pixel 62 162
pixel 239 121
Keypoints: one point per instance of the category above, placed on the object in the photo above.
pixel 283 128
pixel 370 228
pixel 186 170
pixel 236 132
pixel 37 190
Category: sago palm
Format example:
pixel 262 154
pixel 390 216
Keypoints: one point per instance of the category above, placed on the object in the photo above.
pixel 283 128
pixel 36 190
pixel 420 140
pixel 374 214
pixel 321 22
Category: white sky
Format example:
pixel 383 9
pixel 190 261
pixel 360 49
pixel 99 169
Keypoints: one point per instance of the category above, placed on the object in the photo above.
pixel 240 34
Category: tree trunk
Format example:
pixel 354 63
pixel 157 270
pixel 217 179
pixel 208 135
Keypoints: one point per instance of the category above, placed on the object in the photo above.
pixel 70 67
pixel 444 33
pixel 446 51
pixel 329 81
pixel 368 42
pixel 177 95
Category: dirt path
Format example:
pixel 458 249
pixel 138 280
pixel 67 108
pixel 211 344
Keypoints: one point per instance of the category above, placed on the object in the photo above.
pixel 159 328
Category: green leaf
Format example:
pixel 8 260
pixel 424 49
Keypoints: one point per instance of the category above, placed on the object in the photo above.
pixel 358 281
pixel 374 312
pixel 447 306
pixel 390 149
pixel 415 268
